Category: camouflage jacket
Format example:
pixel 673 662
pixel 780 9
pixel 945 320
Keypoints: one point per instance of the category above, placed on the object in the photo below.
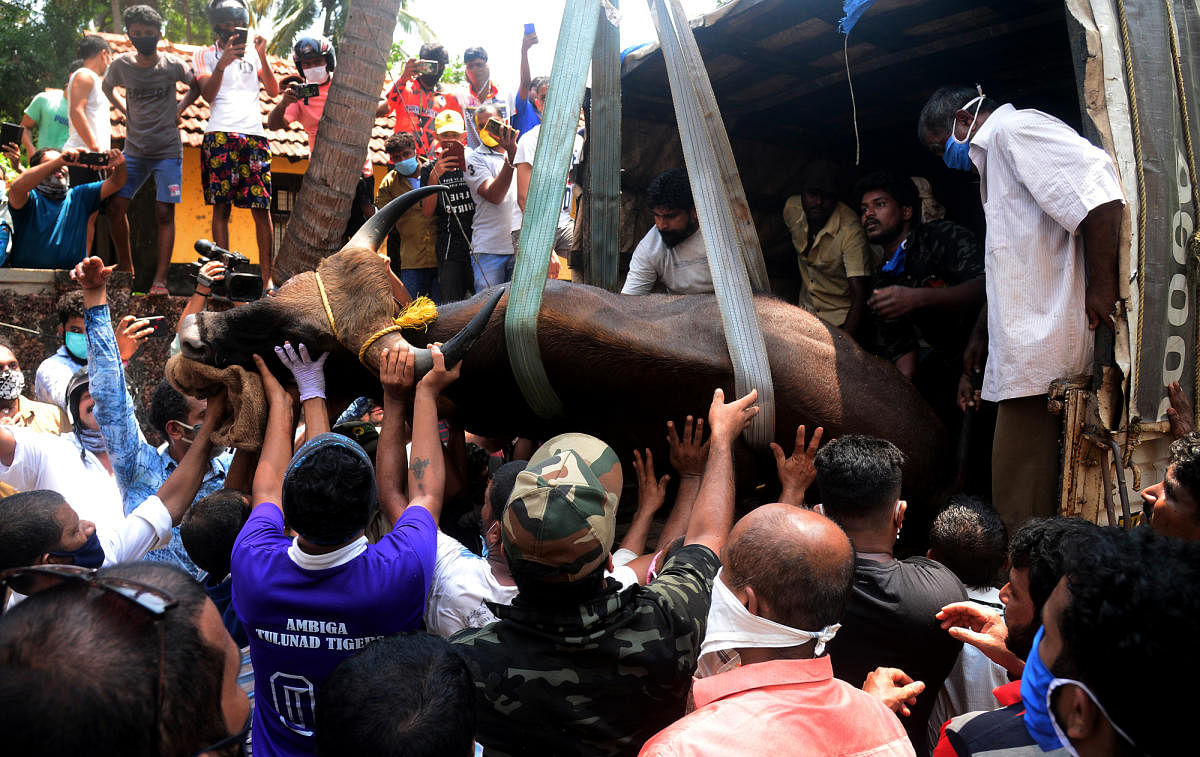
pixel 936 254
pixel 597 679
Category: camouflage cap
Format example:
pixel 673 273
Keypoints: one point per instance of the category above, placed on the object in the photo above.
pixel 561 516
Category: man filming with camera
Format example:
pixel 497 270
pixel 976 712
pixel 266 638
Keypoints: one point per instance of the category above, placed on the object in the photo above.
pixel 50 217
pixel 304 104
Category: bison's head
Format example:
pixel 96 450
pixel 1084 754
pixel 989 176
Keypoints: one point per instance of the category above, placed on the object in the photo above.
pixel 336 309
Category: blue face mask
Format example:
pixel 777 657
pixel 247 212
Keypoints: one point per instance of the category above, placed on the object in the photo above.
pixel 1035 685
pixel 90 555
pixel 957 154
pixel 408 166
pixel 76 344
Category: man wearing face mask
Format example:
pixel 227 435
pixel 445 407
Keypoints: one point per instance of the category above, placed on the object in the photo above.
pixel 140 467
pixel 1053 205
pixel 412 243
pixel 152 143
pixel 480 91
pixel 18 410
pixel 1037 557
pixel 417 97
pixel 316 59
pixel 55 372
pixel 50 217
pixel 783 570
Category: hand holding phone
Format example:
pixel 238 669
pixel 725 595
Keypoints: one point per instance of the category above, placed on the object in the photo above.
pixel 92 159
pixel 425 66
pixel 10 134
pixel 307 90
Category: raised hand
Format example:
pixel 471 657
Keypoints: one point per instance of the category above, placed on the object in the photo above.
pixel 276 394
pixel 797 472
pixel 689 454
pixel 727 420
pixel 131 335
pixel 652 492
pixel 397 371
pixel 309 373
pixel 91 273
pixel 983 629
pixel 439 377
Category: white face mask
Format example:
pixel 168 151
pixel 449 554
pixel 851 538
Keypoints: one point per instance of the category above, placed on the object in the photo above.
pixel 315 75
pixel 732 626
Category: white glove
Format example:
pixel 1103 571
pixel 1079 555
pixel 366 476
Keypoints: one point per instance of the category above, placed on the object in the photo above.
pixel 309 373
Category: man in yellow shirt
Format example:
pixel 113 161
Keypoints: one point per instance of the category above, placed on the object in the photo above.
pixel 835 261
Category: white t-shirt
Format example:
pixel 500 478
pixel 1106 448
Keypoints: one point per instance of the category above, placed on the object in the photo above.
pixel 526 150
pixel 494 222
pixel 236 107
pixel 682 269
pixel 47 461
pixel 462 582
pixel 95 112
pixel 53 375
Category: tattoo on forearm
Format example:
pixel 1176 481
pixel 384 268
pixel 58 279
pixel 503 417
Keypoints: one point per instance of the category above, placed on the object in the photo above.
pixel 419 464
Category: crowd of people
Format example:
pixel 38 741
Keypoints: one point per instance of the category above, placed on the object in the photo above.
pixel 455 244
pixel 380 581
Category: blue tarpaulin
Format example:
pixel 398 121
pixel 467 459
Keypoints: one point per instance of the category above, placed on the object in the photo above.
pixel 854 10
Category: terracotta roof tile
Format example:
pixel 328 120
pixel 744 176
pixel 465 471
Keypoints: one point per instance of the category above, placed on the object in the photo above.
pixel 291 142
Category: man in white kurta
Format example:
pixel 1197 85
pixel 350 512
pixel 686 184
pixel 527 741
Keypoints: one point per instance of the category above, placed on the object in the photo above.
pixel 1053 205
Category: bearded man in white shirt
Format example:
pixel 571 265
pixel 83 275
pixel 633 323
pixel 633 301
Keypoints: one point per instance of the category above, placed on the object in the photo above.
pixel 1053 205
pixel 672 253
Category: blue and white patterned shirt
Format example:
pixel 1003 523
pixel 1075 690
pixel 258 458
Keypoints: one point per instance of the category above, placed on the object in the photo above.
pixel 140 467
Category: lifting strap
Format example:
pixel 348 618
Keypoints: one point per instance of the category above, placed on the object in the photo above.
pixel 556 140
pixel 723 212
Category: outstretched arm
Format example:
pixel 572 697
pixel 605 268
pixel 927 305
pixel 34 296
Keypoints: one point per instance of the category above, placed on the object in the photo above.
pixel 427 472
pixel 712 516
pixel 652 492
pixel 397 374
pixel 277 443
pixel 796 473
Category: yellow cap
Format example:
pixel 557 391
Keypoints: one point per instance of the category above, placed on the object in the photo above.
pixel 449 120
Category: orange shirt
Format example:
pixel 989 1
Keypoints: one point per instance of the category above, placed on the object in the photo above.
pixel 782 707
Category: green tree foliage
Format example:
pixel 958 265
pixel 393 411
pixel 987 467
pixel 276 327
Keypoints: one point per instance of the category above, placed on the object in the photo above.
pixel 294 16
pixel 37 42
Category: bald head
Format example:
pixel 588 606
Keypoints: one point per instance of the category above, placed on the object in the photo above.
pixel 799 563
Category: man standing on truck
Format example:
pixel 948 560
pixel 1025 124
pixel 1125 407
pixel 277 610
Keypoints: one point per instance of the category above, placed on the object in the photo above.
pixel 1047 286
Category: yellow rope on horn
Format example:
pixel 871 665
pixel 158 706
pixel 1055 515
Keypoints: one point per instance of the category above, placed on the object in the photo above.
pixel 417 314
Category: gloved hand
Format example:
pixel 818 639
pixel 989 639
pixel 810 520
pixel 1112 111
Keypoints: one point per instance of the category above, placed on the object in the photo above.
pixel 309 373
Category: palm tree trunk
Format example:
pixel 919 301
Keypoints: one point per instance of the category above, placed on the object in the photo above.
pixel 323 205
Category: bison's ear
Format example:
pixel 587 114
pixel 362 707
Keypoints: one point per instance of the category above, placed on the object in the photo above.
pixel 372 233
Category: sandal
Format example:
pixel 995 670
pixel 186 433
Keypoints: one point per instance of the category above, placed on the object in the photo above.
pixel 158 289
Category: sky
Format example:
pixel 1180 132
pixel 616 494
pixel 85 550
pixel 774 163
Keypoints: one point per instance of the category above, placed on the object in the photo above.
pixel 498 25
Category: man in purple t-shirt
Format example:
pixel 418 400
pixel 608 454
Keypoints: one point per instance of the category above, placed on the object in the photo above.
pixel 309 603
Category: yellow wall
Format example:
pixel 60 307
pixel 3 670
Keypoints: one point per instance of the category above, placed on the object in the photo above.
pixel 193 219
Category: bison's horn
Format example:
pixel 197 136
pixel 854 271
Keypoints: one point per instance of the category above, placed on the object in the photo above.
pixel 456 349
pixel 375 230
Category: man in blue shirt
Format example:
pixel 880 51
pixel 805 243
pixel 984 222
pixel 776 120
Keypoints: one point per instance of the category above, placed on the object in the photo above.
pixel 139 466
pixel 50 216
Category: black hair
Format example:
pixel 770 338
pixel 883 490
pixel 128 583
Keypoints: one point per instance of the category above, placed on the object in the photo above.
pixel 408 695
pixel 327 497
pixel 399 141
pixel 859 479
pixel 90 46
pixel 1185 456
pixel 1133 614
pixel 537 83
pixel 434 51
pixel 503 481
pixel 70 305
pixel 95 655
pixel 167 404
pixel 938 114
pixel 28 528
pixel 141 14
pixel 670 189
pixel 901 188
pixel 72 67
pixel 1040 547
pixel 475 53
pixel 210 528
pixel 806 584
pixel 969 538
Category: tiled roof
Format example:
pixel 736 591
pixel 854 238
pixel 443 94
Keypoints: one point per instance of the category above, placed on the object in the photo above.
pixel 291 142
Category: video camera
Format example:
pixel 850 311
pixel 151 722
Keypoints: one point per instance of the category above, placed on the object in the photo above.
pixel 238 285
